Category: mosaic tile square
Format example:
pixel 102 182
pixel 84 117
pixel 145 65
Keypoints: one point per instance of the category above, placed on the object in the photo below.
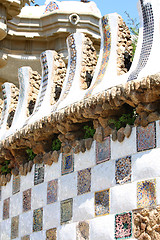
pixel 16 184
pixel 38 220
pixel 146 193
pixel 39 174
pixel 27 200
pixel 103 151
pixel 6 206
pixel 82 232
pixel 52 189
pixel 51 234
pixel 27 237
pixel 123 170
pixel 146 137
pixel 14 227
pixel 123 225
pixel 102 202
pixel 67 163
pixel 0 193
pixel 84 181
pixel 66 210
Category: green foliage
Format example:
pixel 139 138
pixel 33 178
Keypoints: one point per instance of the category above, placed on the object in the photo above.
pixel 134 29
pixel 30 153
pixel 89 131
pixel 56 145
pixel 5 169
pixel 124 119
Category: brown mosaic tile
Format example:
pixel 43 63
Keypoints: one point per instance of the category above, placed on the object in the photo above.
pixel 27 237
pixel 38 220
pixel 82 232
pixel 16 184
pixel 102 202
pixel 6 206
pixel 84 181
pixel 52 191
pixel 27 200
pixel 66 210
pixel 123 170
pixel 14 227
pixel 39 174
pixel 103 150
pixel 51 234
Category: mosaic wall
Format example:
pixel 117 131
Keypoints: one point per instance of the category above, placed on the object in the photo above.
pixel 148 32
pixel 52 6
pixel 106 53
pixel 91 195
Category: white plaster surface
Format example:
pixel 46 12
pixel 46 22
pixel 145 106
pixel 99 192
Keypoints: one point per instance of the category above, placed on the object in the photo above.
pixel 67 232
pixel 67 186
pixel 6 229
pixel 85 160
pixel 127 147
pixel 27 181
pixel 38 235
pixel 7 190
pixel 146 165
pixel 26 223
pixel 103 176
pixel 102 228
pixel 53 171
pixel 16 204
pixel 123 198
pixel 51 215
pixel 39 196
pixel 83 207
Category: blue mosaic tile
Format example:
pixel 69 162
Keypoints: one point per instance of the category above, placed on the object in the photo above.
pixel 103 151
pixel 38 220
pixel 52 189
pixel 123 170
pixel 84 181
pixel 123 225
pixel 102 202
pixel 39 174
pixel 67 163
pixel 146 137
pixel 16 184
pixel 146 193
pixel 66 210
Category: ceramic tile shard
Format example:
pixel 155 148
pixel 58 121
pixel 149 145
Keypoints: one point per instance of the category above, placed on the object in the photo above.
pixel 27 237
pixel 103 151
pixel 52 189
pixel 16 184
pixel 82 232
pixel 27 200
pixel 39 174
pixel 84 181
pixel 14 227
pixel 38 220
pixel 6 206
pixel 66 210
pixel 102 202
pixel 123 225
pixel 51 234
pixel 123 170
pixel 67 163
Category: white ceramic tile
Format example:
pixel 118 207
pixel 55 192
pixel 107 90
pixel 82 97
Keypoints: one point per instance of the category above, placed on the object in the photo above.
pixel 51 215
pixel 67 186
pixel 28 180
pixel 67 232
pixel 146 164
pixel 6 230
pixel 53 171
pixel 39 196
pixel 123 198
pixel 85 160
pixel 38 235
pixel 102 228
pixel 83 207
pixel 125 148
pixel 16 204
pixel 103 176
pixel 26 223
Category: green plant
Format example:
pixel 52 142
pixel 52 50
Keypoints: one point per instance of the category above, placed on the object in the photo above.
pixel 134 29
pixel 123 120
pixel 89 131
pixel 30 153
pixel 4 168
pixel 56 145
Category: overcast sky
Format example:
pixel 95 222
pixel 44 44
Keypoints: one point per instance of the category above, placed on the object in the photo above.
pixel 111 6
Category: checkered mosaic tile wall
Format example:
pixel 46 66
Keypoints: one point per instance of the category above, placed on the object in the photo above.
pixel 88 195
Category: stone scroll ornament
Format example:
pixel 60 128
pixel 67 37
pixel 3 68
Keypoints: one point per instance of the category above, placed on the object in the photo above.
pixel 20 116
